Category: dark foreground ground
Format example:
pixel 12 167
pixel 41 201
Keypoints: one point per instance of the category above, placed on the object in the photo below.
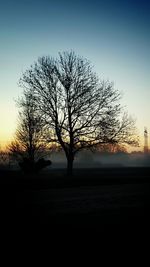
pixel 94 200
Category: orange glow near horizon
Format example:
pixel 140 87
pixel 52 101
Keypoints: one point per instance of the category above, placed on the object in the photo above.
pixel 8 125
pixel 6 139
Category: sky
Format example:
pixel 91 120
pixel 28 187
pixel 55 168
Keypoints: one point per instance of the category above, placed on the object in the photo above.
pixel 113 35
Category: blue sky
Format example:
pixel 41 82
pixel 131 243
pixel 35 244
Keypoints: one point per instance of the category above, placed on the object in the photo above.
pixel 113 35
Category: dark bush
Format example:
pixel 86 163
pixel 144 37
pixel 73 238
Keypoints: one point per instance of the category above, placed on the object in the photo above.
pixel 29 166
pixel 42 163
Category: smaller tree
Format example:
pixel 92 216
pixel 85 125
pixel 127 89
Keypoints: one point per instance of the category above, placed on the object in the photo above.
pixel 29 146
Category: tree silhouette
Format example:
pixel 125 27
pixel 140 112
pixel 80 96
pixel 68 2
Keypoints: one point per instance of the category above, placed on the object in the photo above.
pixel 80 111
pixel 29 145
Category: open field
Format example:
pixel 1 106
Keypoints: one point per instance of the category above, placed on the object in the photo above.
pixel 94 199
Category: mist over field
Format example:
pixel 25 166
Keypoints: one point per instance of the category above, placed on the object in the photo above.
pixel 88 159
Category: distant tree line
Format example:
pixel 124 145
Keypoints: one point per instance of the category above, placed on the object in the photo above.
pixel 65 103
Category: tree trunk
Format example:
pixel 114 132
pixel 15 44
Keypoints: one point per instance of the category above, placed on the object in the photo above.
pixel 70 165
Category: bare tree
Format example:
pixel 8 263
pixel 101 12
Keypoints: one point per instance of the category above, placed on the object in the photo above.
pixel 80 110
pixel 28 145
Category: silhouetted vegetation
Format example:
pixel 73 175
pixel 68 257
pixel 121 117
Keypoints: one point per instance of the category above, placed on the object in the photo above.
pixel 78 110
pixel 29 166
pixel 29 146
pixel 4 159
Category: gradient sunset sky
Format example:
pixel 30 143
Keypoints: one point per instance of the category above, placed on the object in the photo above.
pixel 113 35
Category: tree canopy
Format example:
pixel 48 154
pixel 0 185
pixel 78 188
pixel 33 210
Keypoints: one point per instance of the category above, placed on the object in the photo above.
pixel 78 109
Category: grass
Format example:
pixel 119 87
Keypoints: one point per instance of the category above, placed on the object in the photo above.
pixel 93 199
